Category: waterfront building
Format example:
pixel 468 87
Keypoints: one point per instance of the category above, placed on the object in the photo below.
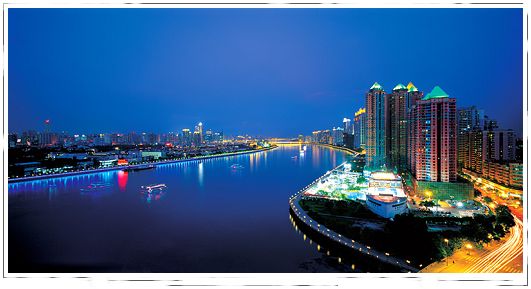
pixel 348 140
pixel 468 119
pixel 196 138
pixel 337 136
pixel 413 96
pixel 209 136
pixel 186 139
pixel 12 140
pixel 322 137
pixel 347 125
pixel 375 106
pixel 385 195
pixel 218 136
pixel 152 155
pixel 30 138
pixel 435 133
pixel 200 130
pixel 396 127
pixel 360 128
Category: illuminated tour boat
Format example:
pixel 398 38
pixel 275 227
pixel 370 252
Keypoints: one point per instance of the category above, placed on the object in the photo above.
pixel 151 188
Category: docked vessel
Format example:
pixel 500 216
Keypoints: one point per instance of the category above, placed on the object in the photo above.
pixel 95 187
pixel 139 168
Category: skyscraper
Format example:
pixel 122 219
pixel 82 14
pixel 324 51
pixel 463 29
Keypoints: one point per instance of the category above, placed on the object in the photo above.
pixel 360 128
pixel 186 138
pixel 347 125
pixel 375 104
pixel 337 136
pixel 413 96
pixel 209 136
pixel 396 117
pixel 468 119
pixel 198 134
pixel 435 133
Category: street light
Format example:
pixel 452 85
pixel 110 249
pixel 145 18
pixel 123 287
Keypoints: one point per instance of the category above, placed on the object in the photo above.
pixel 447 256
pixel 468 247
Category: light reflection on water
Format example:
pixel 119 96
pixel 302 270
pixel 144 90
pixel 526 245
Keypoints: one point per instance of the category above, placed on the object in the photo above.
pixel 210 218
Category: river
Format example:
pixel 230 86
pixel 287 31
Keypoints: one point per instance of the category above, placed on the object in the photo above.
pixel 210 218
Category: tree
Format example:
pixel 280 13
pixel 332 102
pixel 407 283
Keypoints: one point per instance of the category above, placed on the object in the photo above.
pixel 504 218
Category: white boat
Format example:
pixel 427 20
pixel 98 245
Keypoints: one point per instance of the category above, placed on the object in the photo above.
pixel 154 187
pixel 236 166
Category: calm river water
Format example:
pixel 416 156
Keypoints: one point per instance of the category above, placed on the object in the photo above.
pixel 211 218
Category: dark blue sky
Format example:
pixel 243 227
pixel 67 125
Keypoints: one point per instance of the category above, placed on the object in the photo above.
pixel 273 72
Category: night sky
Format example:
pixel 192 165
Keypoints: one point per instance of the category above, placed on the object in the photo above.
pixel 268 72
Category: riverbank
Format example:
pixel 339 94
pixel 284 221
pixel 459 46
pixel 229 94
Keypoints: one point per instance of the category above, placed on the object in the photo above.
pixel 51 176
pixel 350 151
pixel 343 241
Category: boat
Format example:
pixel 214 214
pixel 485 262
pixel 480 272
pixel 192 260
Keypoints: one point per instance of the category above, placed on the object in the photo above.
pixel 152 188
pixel 304 148
pixel 95 187
pixel 294 157
pixel 139 168
pixel 236 166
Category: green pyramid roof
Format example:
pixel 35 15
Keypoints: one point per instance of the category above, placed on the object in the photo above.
pixel 399 86
pixel 436 92
pixel 411 87
pixel 376 86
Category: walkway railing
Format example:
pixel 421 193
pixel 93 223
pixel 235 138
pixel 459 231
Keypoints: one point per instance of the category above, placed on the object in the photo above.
pixel 342 240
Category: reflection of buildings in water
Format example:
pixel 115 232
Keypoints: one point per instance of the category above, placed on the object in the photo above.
pixel 251 162
pixel 52 191
pixel 315 156
pixel 156 195
pixel 122 180
pixel 200 173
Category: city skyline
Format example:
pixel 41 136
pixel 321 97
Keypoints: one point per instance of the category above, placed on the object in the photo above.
pixel 290 74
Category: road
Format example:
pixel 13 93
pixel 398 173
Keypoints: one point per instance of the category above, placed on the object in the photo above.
pixel 505 254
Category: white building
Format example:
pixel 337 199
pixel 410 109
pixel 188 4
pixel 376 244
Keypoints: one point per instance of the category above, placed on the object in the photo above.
pixel 385 195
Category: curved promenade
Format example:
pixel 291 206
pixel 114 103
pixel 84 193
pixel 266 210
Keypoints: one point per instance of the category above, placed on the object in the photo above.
pixel 32 178
pixel 342 240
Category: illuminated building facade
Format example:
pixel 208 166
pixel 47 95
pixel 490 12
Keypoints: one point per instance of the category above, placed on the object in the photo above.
pixel 413 96
pixel 435 133
pixel 375 106
pixel 360 128
pixel 347 125
pixel 385 195
pixel 322 137
pixel 468 119
pixel 337 136
pixel 396 127
pixel 186 138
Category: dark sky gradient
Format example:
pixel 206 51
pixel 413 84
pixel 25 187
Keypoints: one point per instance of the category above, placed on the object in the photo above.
pixel 272 72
